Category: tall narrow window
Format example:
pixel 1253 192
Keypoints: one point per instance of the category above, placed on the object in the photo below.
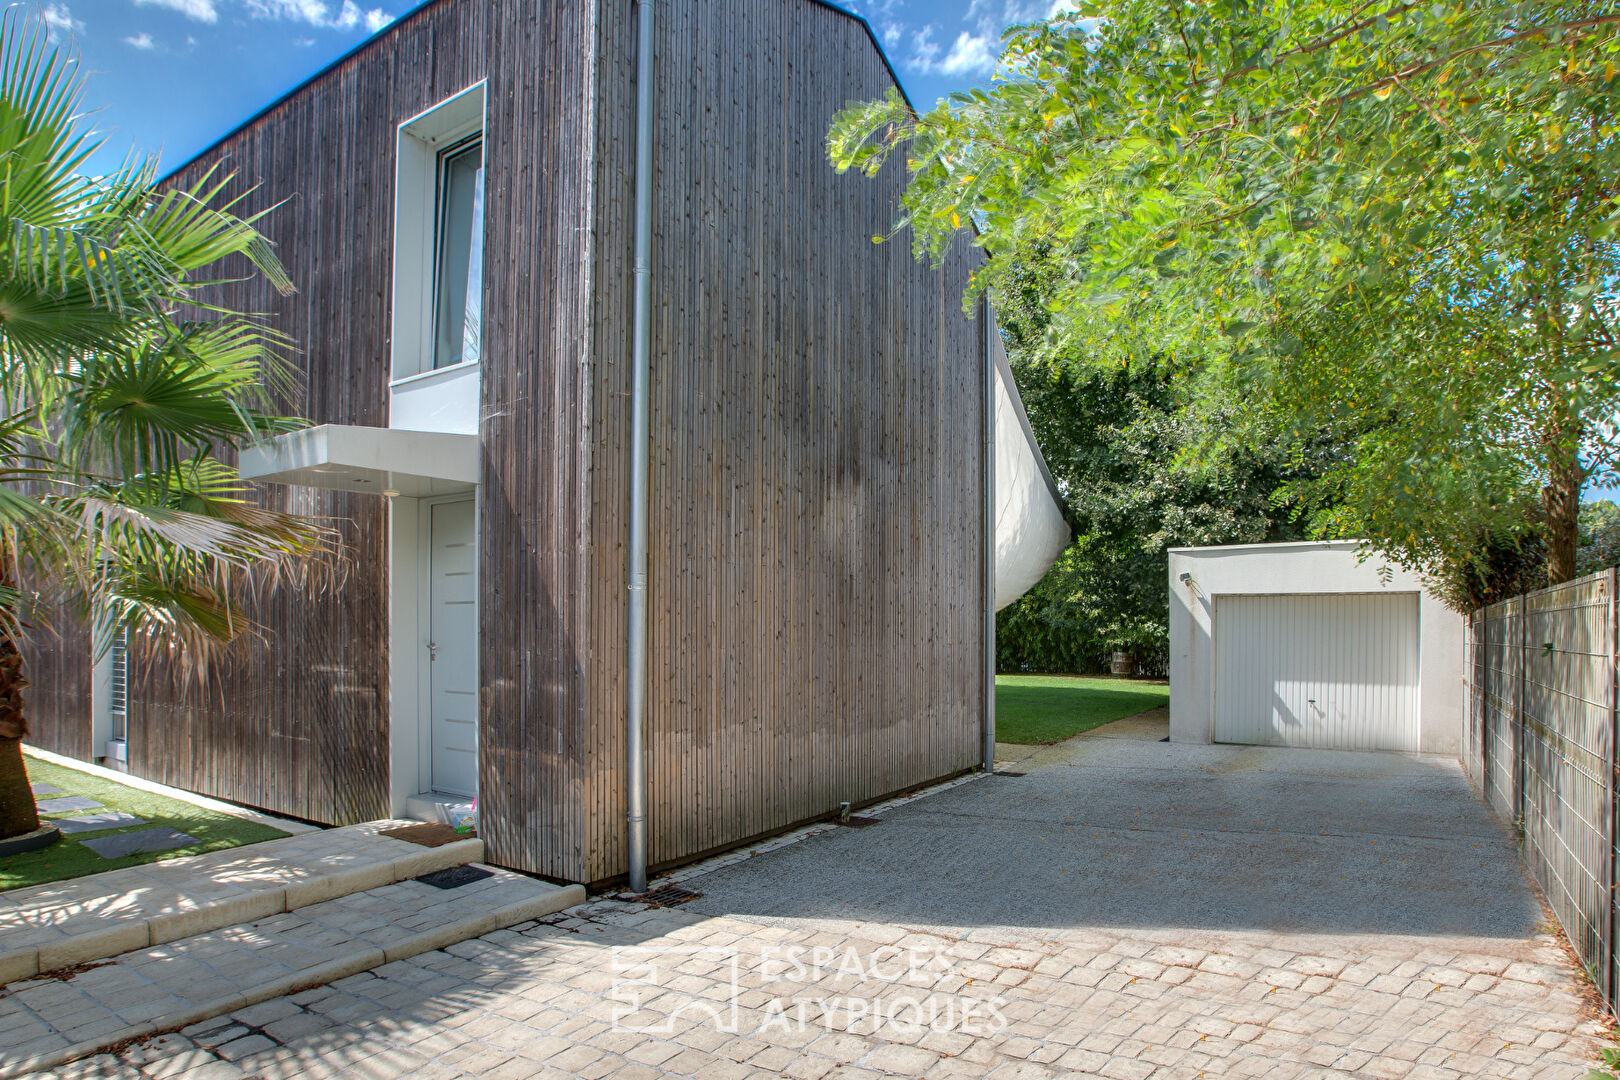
pixel 458 255
pixel 118 698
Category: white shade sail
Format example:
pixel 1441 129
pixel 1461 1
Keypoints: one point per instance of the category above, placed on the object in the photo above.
pixel 1030 528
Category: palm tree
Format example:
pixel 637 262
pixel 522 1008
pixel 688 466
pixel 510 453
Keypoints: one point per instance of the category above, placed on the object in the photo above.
pixel 119 382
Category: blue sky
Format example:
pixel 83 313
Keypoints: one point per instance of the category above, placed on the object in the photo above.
pixel 172 76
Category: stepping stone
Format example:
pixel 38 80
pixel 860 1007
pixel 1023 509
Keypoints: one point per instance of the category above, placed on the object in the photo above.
pixel 112 819
pixel 44 789
pixel 135 843
pixel 72 802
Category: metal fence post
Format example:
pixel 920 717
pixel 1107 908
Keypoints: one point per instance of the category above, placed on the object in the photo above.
pixel 1518 710
pixel 1610 762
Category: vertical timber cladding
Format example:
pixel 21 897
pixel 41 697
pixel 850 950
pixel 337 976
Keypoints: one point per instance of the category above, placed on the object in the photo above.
pixel 545 568
pixel 297 722
pixel 815 569
pixel 58 698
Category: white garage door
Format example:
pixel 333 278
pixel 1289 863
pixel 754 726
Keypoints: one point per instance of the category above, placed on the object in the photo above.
pixel 1334 671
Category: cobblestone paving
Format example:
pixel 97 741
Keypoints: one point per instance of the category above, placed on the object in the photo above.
pixel 42 915
pixel 1225 913
pixel 108 1000
pixel 557 998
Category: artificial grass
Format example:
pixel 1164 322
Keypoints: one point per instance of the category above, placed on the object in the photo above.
pixel 1049 708
pixel 67 858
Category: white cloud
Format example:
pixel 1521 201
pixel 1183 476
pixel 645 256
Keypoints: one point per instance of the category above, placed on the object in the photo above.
pixel 346 15
pixel 973 54
pixel 59 22
pixel 200 10
pixel 924 49
pixel 874 10
pixel 318 13
pixel 142 41
pixel 970 54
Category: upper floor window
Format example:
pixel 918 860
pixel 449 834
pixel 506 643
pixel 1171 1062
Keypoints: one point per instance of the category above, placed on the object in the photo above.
pixel 439 262
pixel 458 254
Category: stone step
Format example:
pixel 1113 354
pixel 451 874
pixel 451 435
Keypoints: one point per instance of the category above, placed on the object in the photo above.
pixel 58 925
pixel 52 1019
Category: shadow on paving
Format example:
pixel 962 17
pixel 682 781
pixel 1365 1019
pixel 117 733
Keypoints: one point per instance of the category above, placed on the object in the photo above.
pixel 1120 833
pixel 1101 832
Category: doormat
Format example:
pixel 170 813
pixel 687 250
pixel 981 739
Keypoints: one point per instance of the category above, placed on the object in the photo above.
pixel 668 896
pixel 455 877
pixel 858 822
pixel 429 834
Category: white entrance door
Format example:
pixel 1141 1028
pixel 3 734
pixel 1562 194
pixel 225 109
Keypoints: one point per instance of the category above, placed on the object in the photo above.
pixel 453 646
pixel 1333 671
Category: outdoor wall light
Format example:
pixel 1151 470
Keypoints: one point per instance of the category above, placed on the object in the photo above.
pixel 1186 578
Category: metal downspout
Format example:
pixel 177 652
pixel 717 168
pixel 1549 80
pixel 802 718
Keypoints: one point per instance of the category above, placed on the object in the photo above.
pixel 991 400
pixel 640 431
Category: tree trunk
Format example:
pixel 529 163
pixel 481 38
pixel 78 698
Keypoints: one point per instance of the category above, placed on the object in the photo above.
pixel 1561 507
pixel 17 812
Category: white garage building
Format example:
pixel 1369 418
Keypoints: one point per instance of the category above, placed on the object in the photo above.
pixel 1310 644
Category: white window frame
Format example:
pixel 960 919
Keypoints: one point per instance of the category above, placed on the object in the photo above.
pixel 118 693
pixel 107 720
pixel 420 142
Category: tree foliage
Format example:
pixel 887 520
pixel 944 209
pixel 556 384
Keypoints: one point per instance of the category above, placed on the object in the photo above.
pixel 1120 441
pixel 119 383
pixel 1392 222
pixel 1600 537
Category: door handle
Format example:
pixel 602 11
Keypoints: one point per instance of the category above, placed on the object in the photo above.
pixel 433 651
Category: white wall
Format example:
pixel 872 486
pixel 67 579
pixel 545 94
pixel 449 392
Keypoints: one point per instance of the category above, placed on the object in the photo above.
pixel 406 763
pixel 1332 567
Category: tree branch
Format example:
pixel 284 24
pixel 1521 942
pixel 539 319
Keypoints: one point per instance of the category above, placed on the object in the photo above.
pixel 1418 69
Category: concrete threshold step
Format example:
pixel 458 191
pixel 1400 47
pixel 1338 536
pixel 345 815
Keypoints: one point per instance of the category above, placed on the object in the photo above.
pixel 48 927
pixel 52 1019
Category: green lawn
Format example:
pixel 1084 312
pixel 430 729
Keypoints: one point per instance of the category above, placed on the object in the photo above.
pixel 1048 708
pixel 68 858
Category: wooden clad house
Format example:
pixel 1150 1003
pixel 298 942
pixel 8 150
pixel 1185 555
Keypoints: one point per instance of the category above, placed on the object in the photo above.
pixel 461 216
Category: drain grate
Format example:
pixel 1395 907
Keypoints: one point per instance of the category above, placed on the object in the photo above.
pixel 455 877
pixel 858 822
pixel 668 896
pixel 1007 772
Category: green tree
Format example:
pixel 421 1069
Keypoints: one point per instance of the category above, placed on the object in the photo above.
pixel 1251 187
pixel 1125 443
pixel 1121 444
pixel 119 382
pixel 1600 537
pixel 1441 460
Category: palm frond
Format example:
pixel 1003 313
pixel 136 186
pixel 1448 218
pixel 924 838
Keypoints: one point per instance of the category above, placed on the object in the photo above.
pixel 150 407
pixel 196 234
pixel 122 382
